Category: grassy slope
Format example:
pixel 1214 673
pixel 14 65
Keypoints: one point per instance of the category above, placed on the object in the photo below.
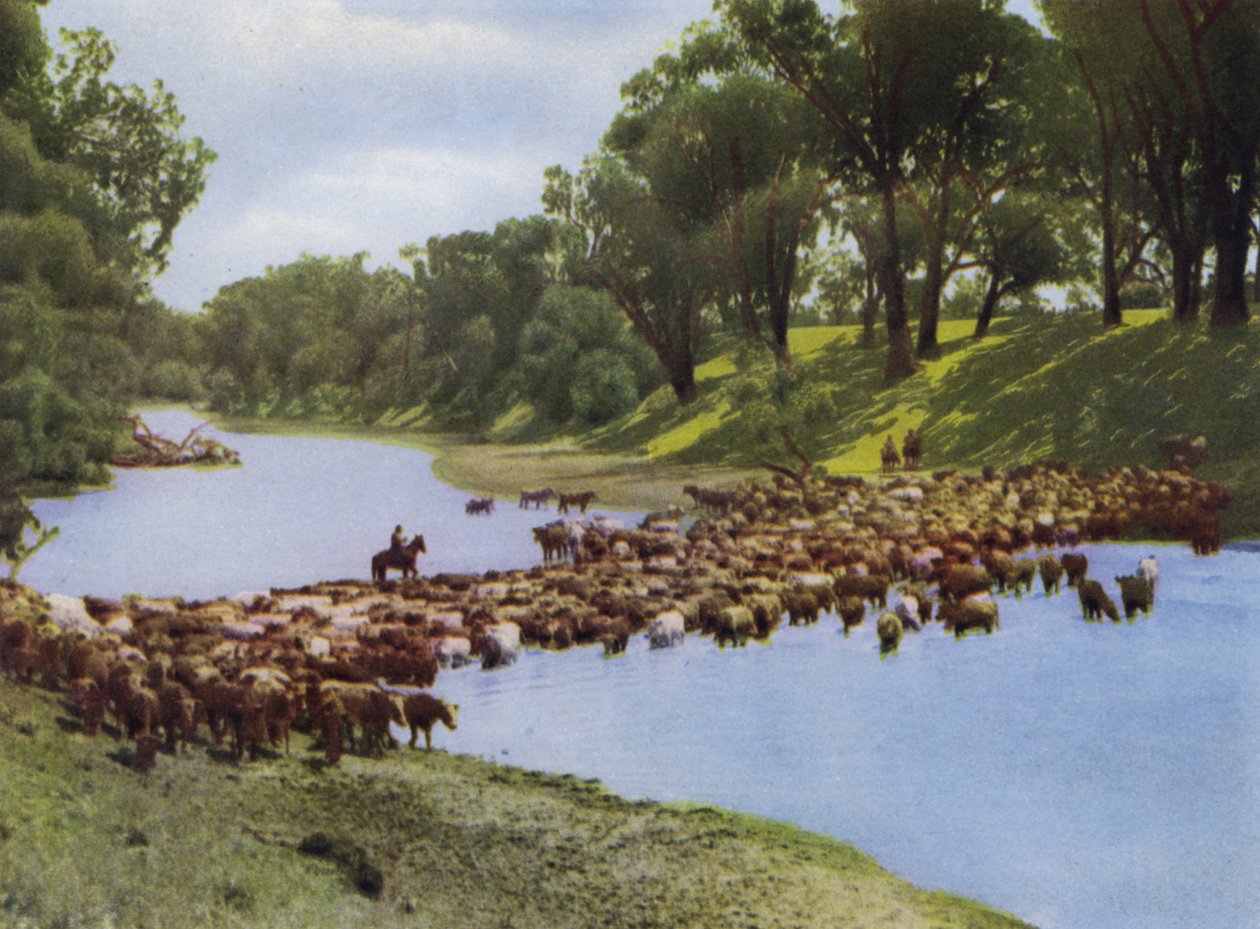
pixel 86 842
pixel 1036 388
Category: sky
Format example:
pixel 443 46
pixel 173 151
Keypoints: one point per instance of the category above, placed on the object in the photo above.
pixel 346 126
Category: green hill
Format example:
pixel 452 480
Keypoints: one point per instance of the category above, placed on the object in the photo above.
pixel 1036 388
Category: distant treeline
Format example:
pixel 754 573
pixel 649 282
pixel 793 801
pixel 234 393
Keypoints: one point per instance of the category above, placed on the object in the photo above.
pixel 484 321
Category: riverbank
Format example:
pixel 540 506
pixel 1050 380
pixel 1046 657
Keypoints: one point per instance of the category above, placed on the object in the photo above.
pixel 621 480
pixel 87 842
pixel 1037 388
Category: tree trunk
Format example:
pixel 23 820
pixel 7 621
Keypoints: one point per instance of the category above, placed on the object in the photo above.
pixel 900 360
pixel 870 310
pixel 1112 314
pixel 986 309
pixel 930 305
pixel 1185 271
pixel 684 384
pixel 1229 306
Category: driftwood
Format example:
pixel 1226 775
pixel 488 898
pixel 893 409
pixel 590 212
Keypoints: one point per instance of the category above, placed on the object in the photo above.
pixel 157 451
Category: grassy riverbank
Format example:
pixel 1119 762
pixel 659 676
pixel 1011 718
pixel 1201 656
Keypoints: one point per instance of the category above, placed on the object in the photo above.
pixel 1036 388
pixel 87 842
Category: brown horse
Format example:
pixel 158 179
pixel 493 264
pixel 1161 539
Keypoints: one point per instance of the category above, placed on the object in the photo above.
pixel 403 559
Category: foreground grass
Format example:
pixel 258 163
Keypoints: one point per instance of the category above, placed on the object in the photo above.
pixel 87 842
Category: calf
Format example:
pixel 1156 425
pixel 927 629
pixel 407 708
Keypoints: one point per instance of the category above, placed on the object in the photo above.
pixel 423 711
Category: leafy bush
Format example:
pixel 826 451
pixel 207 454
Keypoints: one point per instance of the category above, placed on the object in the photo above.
pixel 223 391
pixel 175 380
pixel 603 388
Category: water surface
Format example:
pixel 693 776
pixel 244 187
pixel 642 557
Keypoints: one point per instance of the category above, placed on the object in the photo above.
pixel 299 510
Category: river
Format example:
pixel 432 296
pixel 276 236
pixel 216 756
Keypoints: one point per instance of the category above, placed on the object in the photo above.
pixel 1080 776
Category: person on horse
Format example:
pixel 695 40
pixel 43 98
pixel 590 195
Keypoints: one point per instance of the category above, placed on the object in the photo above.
pixel 397 541
pixel 912 450
pixel 889 456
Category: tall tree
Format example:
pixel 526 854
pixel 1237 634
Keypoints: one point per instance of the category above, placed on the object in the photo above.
pixel 125 139
pixel 914 92
pixel 1097 143
pixel 651 264
pixel 1210 52
pixel 743 156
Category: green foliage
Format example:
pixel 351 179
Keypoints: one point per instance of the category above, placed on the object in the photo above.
pixel 603 388
pixel 16 521
pixel 175 380
pixel 124 139
pixel 93 180
pixel 571 326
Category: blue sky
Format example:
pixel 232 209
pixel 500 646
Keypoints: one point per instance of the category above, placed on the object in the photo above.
pixel 362 125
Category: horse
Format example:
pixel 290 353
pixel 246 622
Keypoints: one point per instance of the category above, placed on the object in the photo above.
pixel 403 559
pixel 537 498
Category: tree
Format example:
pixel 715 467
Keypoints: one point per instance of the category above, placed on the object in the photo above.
pixel 914 93
pixel 745 160
pixel 1210 52
pixel 124 139
pixel 16 520
pixel 1020 248
pixel 650 265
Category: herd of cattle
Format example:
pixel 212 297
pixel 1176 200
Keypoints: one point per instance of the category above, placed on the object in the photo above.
pixel 349 659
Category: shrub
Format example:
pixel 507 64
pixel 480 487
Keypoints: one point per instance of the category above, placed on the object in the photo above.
pixel 223 391
pixel 603 388
pixel 175 380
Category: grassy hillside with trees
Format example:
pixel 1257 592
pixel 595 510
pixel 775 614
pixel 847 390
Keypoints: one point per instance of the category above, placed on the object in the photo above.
pixel 913 175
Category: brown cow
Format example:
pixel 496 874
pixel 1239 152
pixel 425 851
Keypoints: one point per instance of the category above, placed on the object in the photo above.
pixel 1095 602
pixel 176 714
pixel 872 587
pixel 1075 567
pixel 90 701
pixel 961 581
pixel 580 500
pixel 852 611
pixel 369 708
pixel 423 711
pixel 1051 573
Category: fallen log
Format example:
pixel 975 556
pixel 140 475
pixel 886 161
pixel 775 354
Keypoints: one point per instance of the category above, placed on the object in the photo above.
pixel 157 451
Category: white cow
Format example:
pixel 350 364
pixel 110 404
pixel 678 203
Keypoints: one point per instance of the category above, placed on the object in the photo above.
pixel 452 651
pixel 501 646
pixel 668 628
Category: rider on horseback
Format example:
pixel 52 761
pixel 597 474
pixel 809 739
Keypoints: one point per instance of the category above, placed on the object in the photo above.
pixel 397 541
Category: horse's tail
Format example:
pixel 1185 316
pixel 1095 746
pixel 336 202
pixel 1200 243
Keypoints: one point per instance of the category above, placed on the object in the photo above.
pixel 378 568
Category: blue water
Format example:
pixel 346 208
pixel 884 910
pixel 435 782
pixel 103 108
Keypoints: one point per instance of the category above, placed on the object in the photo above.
pixel 1080 776
pixel 300 510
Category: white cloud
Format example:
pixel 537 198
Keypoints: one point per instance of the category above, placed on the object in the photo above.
pixel 374 200
pixel 279 36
